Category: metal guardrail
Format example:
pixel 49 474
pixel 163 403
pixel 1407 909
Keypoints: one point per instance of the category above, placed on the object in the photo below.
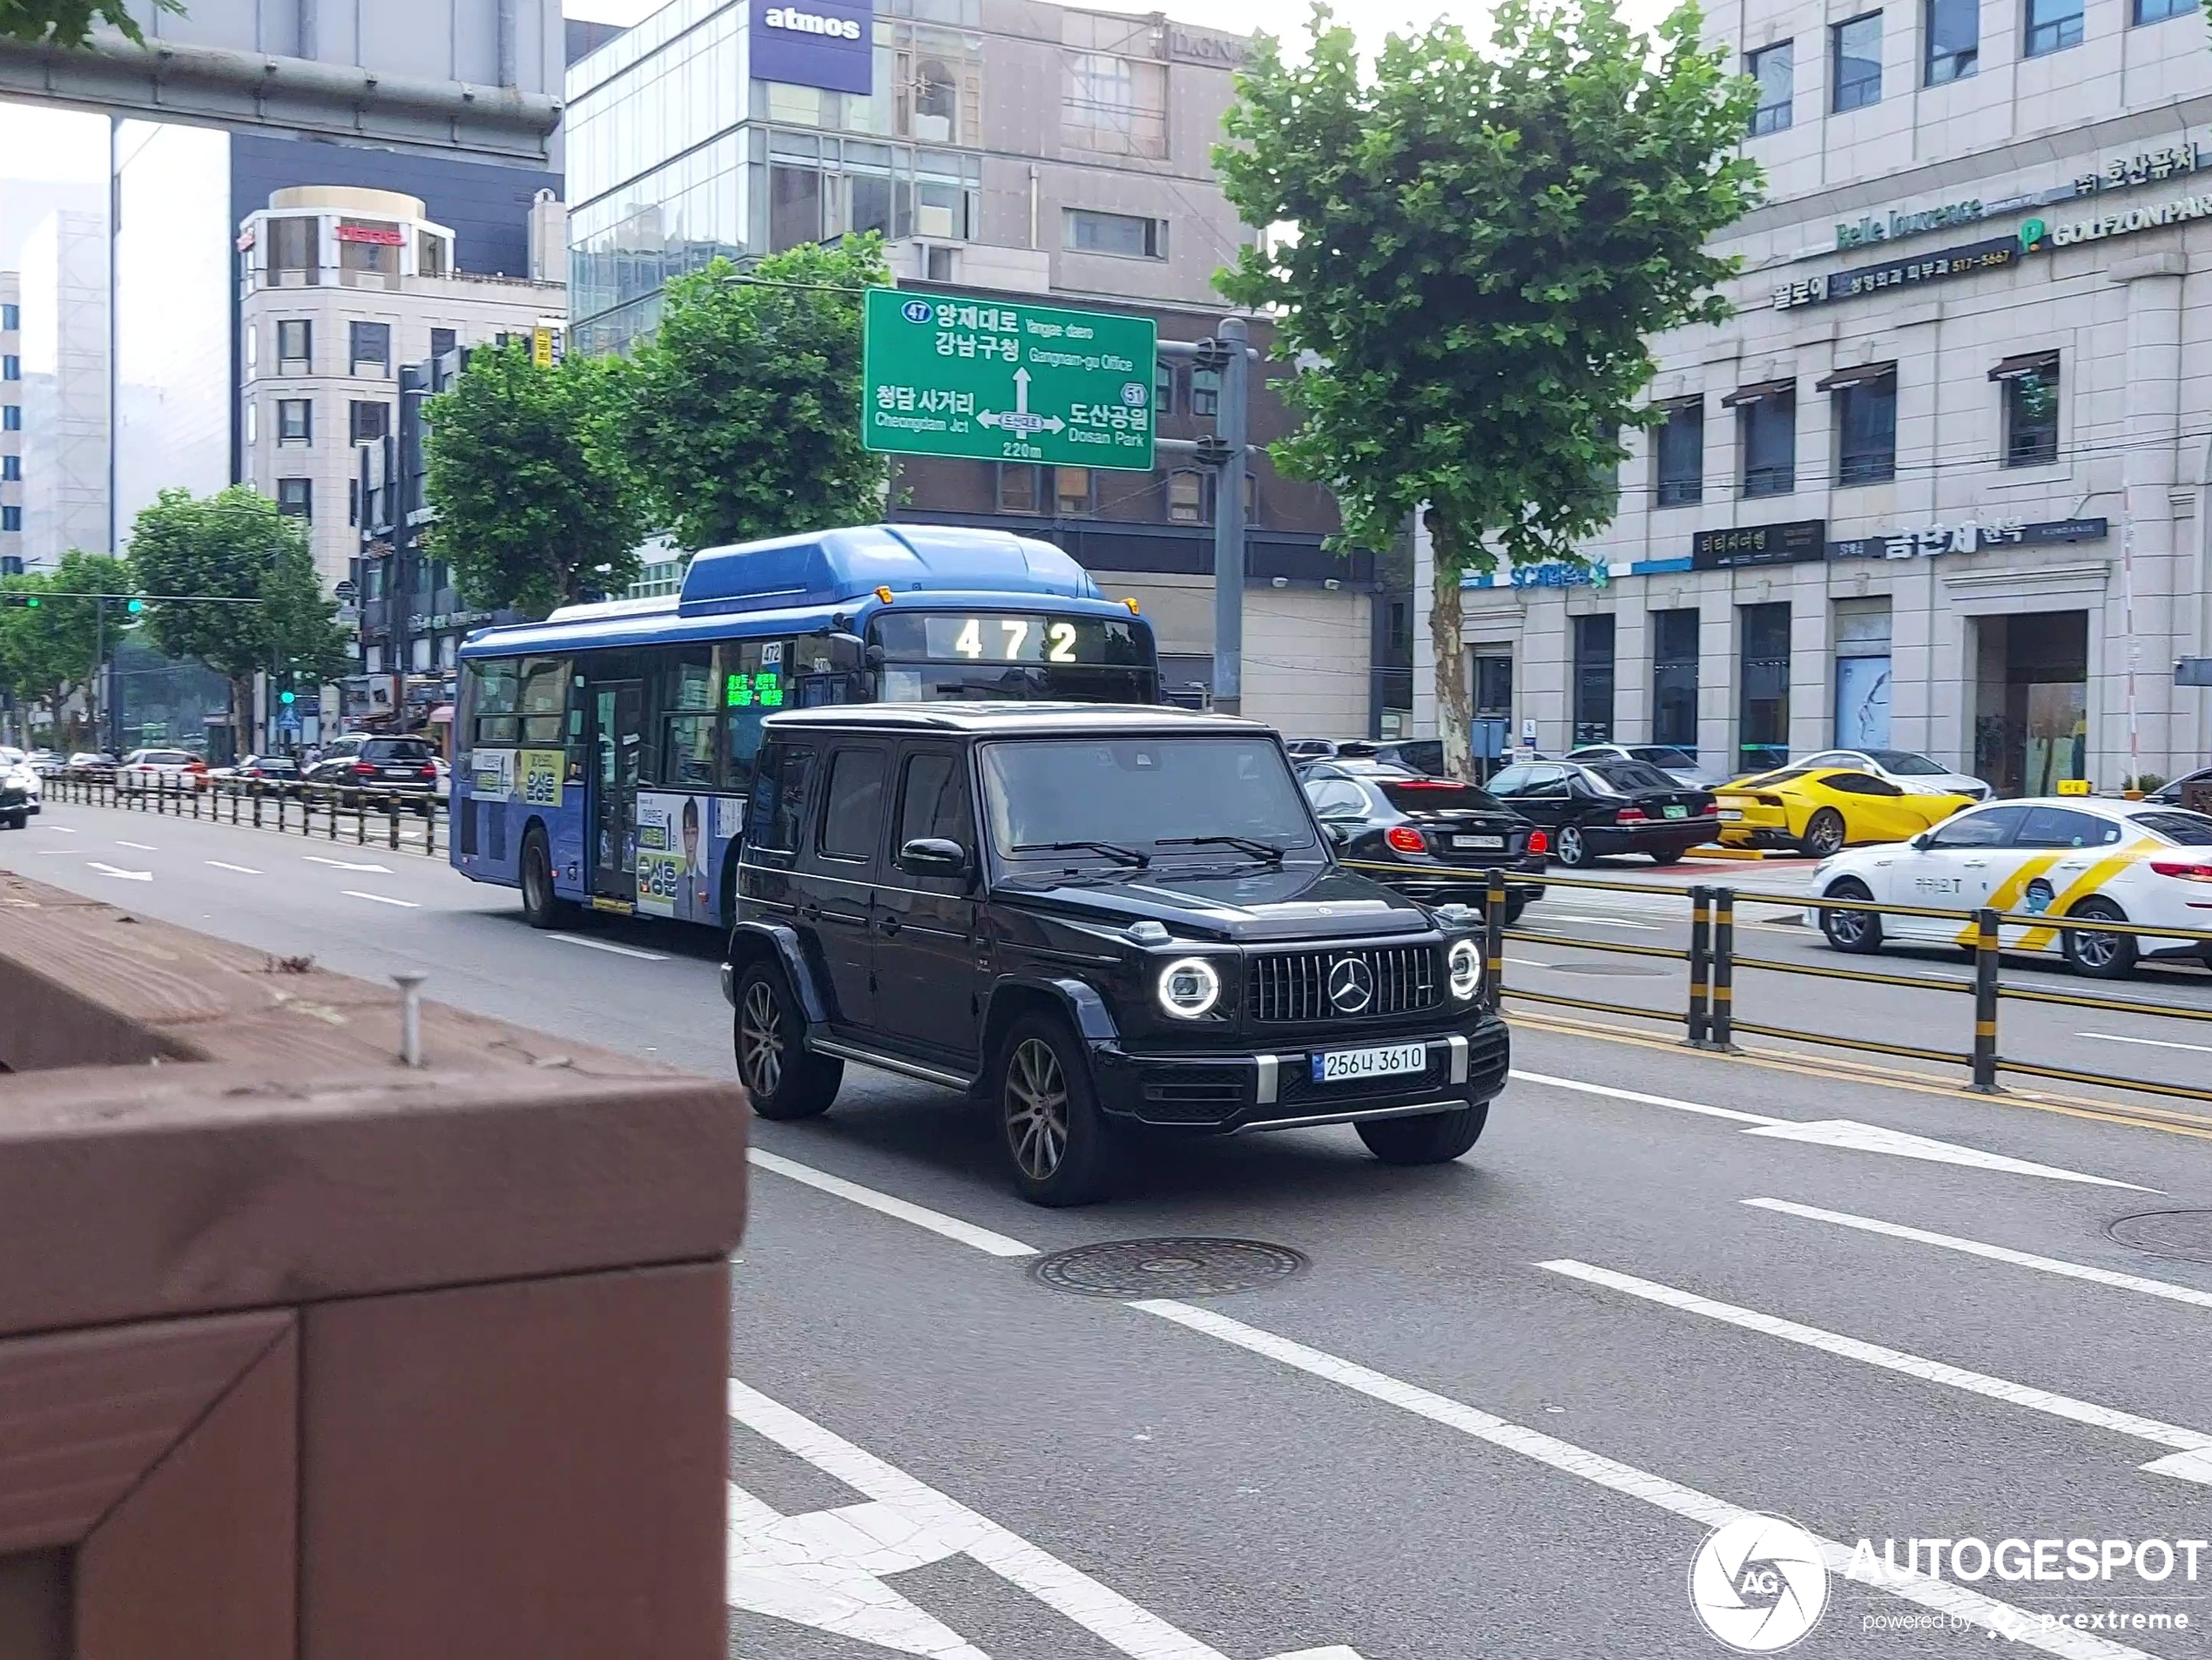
pixel 266 806
pixel 1708 1014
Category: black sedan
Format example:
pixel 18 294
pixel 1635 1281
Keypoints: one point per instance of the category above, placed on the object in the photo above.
pixel 1605 807
pixel 1397 826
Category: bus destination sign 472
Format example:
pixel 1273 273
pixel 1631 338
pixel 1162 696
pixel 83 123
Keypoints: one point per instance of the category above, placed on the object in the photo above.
pixel 995 380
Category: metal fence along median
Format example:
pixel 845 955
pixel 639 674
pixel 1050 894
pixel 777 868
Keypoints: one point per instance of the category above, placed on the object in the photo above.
pixel 405 821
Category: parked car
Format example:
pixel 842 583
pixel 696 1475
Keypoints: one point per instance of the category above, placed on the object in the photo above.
pixel 364 763
pixel 1407 826
pixel 2172 794
pixel 161 769
pixel 93 760
pixel 1912 771
pixel 1607 807
pixel 1173 943
pixel 1820 811
pixel 1679 764
pixel 43 760
pixel 277 773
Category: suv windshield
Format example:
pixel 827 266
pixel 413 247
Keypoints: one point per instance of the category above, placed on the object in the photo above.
pixel 1141 793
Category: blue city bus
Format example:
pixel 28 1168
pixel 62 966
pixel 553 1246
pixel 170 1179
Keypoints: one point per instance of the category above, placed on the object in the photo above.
pixel 602 757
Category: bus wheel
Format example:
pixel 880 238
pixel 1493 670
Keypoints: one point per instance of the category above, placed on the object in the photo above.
pixel 542 908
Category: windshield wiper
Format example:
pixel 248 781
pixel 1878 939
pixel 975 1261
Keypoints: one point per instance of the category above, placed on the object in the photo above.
pixel 1113 850
pixel 1266 850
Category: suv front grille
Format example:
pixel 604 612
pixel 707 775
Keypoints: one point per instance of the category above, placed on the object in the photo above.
pixel 1294 985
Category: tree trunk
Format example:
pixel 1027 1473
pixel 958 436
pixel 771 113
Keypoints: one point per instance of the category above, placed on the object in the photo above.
pixel 1454 710
pixel 242 716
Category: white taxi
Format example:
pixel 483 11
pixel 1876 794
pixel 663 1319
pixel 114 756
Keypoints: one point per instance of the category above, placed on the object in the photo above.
pixel 2078 857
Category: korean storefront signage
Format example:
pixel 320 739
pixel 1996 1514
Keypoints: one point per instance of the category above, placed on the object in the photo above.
pixel 1939 266
pixel 1760 544
pixel 2036 234
pixel 1001 381
pixel 1883 227
pixel 826 43
pixel 1967 536
pixel 1557 574
pixel 2125 170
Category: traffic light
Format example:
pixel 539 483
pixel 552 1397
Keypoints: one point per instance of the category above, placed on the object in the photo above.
pixel 287 698
pixel 19 598
pixel 135 606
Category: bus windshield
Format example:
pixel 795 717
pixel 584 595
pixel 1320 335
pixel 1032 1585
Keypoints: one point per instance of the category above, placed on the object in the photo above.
pixel 966 656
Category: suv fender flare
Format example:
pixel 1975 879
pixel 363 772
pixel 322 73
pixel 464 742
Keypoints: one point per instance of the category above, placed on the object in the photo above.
pixel 1080 1003
pixel 750 942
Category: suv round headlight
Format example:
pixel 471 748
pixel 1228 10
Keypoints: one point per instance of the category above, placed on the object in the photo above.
pixel 1189 987
pixel 1464 961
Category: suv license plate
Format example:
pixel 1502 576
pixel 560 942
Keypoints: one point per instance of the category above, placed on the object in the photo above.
pixel 1496 842
pixel 1678 811
pixel 1342 1065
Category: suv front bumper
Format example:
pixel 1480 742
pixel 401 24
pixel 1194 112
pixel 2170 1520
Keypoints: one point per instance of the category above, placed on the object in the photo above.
pixel 1274 1089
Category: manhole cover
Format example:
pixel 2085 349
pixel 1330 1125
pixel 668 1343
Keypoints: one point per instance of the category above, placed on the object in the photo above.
pixel 1604 968
pixel 1167 1267
pixel 2186 1236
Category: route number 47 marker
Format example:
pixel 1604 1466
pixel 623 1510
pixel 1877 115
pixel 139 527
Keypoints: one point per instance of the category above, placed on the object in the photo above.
pixel 829 1570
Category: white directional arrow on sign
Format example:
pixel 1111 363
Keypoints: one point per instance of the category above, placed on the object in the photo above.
pixel 1019 419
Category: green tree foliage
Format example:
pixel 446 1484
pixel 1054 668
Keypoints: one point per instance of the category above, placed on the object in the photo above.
pixel 745 416
pixel 48 649
pixel 1484 241
pixel 235 545
pixel 69 23
pixel 536 503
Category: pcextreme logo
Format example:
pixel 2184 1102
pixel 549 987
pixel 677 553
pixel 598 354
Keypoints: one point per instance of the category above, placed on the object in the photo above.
pixel 810 22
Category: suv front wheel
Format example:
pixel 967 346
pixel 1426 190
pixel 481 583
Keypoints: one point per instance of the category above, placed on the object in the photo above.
pixel 784 1077
pixel 1048 1113
pixel 1431 1139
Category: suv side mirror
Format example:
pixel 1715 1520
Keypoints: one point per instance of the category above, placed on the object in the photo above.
pixel 933 856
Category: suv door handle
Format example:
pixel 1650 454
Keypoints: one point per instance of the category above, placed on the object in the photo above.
pixel 887 925
pixel 811 912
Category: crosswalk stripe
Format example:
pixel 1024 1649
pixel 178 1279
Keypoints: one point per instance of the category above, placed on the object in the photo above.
pixel 1937 1595
pixel 1994 1253
pixel 2172 1436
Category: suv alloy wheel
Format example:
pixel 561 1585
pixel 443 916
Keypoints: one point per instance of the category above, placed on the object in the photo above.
pixel 784 1079
pixel 1047 1115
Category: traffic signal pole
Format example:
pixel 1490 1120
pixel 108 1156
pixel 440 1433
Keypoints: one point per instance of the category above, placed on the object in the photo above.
pixel 1226 451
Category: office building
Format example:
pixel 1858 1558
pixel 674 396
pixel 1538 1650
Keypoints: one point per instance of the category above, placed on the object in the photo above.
pixel 337 288
pixel 10 423
pixel 1939 483
pixel 65 368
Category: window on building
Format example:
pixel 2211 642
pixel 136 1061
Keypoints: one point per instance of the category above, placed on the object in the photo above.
pixel 2052 25
pixel 1954 39
pixel 2147 12
pixel 370 245
pixel 1186 496
pixel 1855 62
pixel 443 340
pixel 1674 679
pixel 367 423
pixel 1774 69
pixel 1114 90
pixel 1205 392
pixel 1861 631
pixel 1865 417
pixel 794 207
pixel 353 501
pixel 1766 433
pixel 295 346
pixel 10 518
pixel 1071 490
pixel 11 368
pixel 1018 489
pixel 1593 638
pixel 295 497
pixel 295 249
pixel 1763 713
pixel 252 425
pixel 1678 454
pixel 11 318
pixel 10 470
pixel 295 421
pixel 2031 393
pixel 430 255
pixel 370 348
pixel 1163 389
pixel 1124 235
pixel 10 417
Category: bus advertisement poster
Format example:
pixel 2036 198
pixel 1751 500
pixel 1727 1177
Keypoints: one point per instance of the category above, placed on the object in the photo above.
pixel 672 853
pixel 540 771
pixel 491 774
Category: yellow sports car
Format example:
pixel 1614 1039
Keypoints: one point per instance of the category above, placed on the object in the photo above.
pixel 1821 810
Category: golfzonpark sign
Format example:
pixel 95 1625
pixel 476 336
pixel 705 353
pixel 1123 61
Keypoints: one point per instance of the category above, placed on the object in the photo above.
pixel 992 380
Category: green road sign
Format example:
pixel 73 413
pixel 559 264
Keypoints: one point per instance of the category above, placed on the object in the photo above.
pixel 996 380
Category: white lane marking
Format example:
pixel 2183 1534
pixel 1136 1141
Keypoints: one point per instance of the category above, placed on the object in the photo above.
pixel 138 846
pixel 2172 1436
pixel 2164 1288
pixel 1877 1138
pixel 59 829
pixel 242 870
pixel 605 945
pixel 1602 922
pixel 1838 1132
pixel 951 1227
pixel 825 1569
pixel 343 864
pixel 379 899
pixel 2148 1043
pixel 1530 962
pixel 1637 1096
pixel 1999 1618
pixel 127 875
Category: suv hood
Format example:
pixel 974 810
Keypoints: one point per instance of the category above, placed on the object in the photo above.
pixel 1246 903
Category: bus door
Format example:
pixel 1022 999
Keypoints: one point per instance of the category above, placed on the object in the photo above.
pixel 618 747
